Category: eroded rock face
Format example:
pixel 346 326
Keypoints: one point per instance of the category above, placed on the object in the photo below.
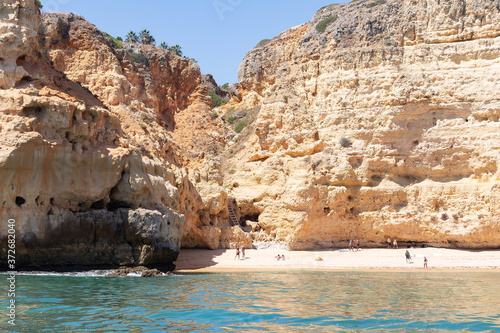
pixel 386 124
pixel 18 30
pixel 88 169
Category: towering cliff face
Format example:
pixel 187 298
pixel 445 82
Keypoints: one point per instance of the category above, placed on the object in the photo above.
pixel 375 119
pixel 385 124
pixel 92 167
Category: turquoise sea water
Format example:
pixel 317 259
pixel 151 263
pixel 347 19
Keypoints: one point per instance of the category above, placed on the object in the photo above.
pixel 259 302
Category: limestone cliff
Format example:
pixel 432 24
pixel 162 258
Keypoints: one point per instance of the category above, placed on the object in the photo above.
pixel 377 119
pixel 95 143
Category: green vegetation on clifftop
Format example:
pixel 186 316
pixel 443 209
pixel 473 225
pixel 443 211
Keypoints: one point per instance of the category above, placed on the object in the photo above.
pixel 263 42
pixel 321 26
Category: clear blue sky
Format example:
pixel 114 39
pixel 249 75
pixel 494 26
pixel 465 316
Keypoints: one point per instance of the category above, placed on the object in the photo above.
pixel 217 33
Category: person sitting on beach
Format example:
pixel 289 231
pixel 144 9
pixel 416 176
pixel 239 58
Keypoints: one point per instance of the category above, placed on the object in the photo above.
pixel 389 242
pixel 237 253
pixel 278 257
pixel 408 257
pixel 425 262
pixel 395 242
pixel 283 257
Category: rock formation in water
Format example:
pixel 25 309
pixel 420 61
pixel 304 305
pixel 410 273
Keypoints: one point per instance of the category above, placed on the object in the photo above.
pixel 377 119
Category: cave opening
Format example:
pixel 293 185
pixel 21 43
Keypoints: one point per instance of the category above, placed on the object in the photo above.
pixel 116 204
pixel 98 205
pixel 20 201
pixel 249 217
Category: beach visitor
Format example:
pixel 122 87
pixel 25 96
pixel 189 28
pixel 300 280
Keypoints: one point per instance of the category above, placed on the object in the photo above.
pixel 278 257
pixel 283 257
pixel 357 244
pixel 237 253
pixel 408 256
pixel 395 242
pixel 243 253
pixel 389 242
pixel 350 245
pixel 425 262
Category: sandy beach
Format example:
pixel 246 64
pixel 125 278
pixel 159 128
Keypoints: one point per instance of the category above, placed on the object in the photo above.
pixel 341 259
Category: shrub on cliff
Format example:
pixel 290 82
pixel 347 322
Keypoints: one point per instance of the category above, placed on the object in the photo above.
pixel 374 3
pixel 216 99
pixel 38 3
pixel 115 42
pixel 328 6
pixel 192 59
pixel 263 42
pixel 241 125
pixel 345 143
pixel 321 26
pixel 139 58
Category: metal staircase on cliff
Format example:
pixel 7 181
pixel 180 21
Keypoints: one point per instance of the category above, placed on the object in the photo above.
pixel 232 216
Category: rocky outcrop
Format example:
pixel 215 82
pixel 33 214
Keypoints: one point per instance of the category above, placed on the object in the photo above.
pixel 89 165
pixel 209 81
pixel 378 118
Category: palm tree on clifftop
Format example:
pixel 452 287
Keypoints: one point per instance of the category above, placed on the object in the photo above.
pixel 176 49
pixel 131 37
pixel 146 38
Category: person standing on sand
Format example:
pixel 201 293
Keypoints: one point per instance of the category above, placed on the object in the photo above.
pixel 408 256
pixel 425 262
pixel 395 242
pixel 389 242
pixel 357 244
pixel 243 253
pixel 350 245
pixel 237 253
